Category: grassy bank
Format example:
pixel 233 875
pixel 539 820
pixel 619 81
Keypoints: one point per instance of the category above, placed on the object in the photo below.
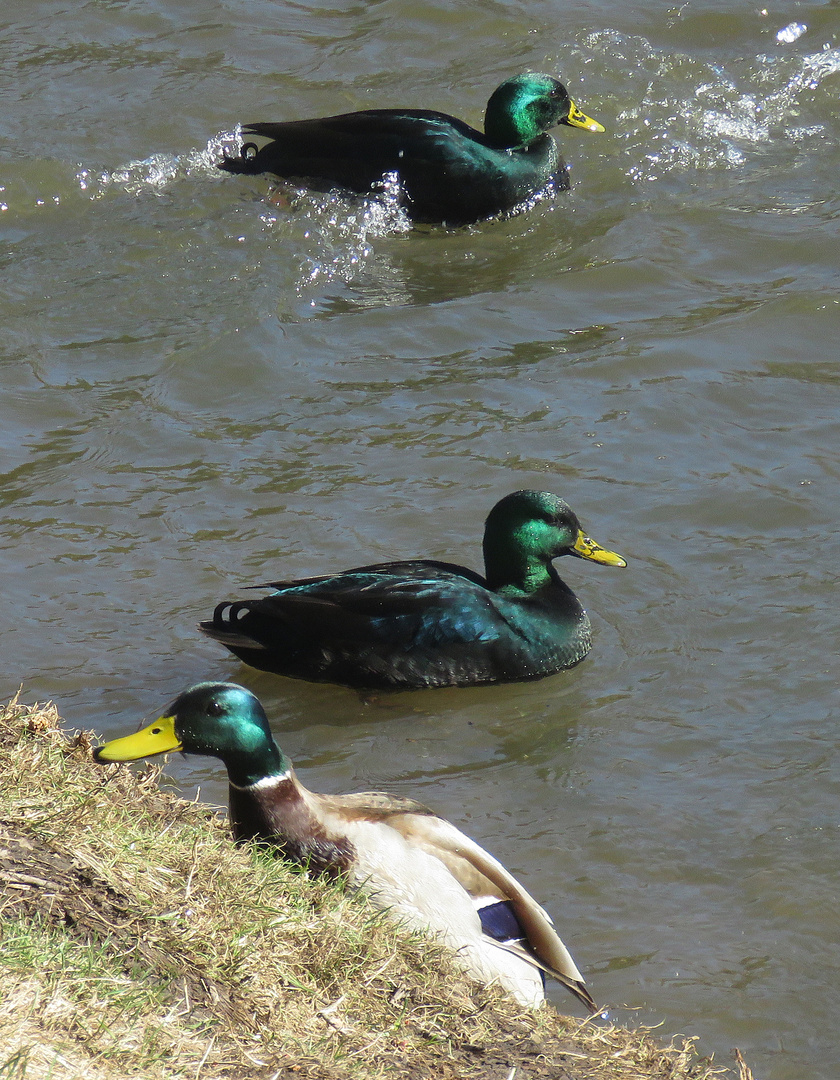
pixel 137 941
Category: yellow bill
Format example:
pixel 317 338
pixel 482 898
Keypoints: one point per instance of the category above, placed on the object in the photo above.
pixel 580 120
pixel 157 738
pixel 586 548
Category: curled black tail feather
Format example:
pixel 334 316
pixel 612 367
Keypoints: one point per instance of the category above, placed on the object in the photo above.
pixel 224 626
pixel 226 614
pixel 244 163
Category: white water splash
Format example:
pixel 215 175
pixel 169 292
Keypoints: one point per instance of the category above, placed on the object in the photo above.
pixel 157 172
pixel 342 229
pixel 790 33
pixel 327 237
pixel 693 115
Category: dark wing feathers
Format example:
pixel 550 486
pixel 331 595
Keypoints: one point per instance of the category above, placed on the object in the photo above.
pixel 356 150
pixel 382 574
pixel 364 135
pixel 418 603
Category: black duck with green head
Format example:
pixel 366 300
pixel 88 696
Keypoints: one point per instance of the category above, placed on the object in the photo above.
pixel 424 623
pixel 448 171
pixel 408 860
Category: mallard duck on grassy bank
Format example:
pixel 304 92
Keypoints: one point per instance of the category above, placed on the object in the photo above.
pixel 424 623
pixel 448 171
pixel 409 860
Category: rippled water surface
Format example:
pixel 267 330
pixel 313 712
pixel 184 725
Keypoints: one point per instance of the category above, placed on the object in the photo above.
pixel 209 383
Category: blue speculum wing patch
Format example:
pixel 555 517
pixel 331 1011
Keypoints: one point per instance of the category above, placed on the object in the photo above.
pixel 499 922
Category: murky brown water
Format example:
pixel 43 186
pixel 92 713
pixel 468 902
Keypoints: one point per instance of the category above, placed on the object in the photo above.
pixel 202 390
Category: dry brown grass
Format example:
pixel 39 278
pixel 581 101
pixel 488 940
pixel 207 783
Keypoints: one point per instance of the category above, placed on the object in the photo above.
pixel 137 941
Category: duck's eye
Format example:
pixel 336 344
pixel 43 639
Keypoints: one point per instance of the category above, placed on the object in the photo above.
pixel 214 709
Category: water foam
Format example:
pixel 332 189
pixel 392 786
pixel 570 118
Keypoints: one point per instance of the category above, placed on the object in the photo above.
pixel 695 115
pixel 329 235
pixel 157 172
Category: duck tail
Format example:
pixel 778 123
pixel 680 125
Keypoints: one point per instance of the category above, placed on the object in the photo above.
pixel 581 993
pixel 246 162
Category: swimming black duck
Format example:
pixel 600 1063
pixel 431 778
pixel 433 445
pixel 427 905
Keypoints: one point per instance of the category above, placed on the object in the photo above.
pixel 424 623
pixel 448 171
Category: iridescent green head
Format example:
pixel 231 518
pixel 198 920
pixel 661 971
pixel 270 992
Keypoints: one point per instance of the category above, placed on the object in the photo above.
pixel 220 720
pixel 525 106
pixel 525 531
